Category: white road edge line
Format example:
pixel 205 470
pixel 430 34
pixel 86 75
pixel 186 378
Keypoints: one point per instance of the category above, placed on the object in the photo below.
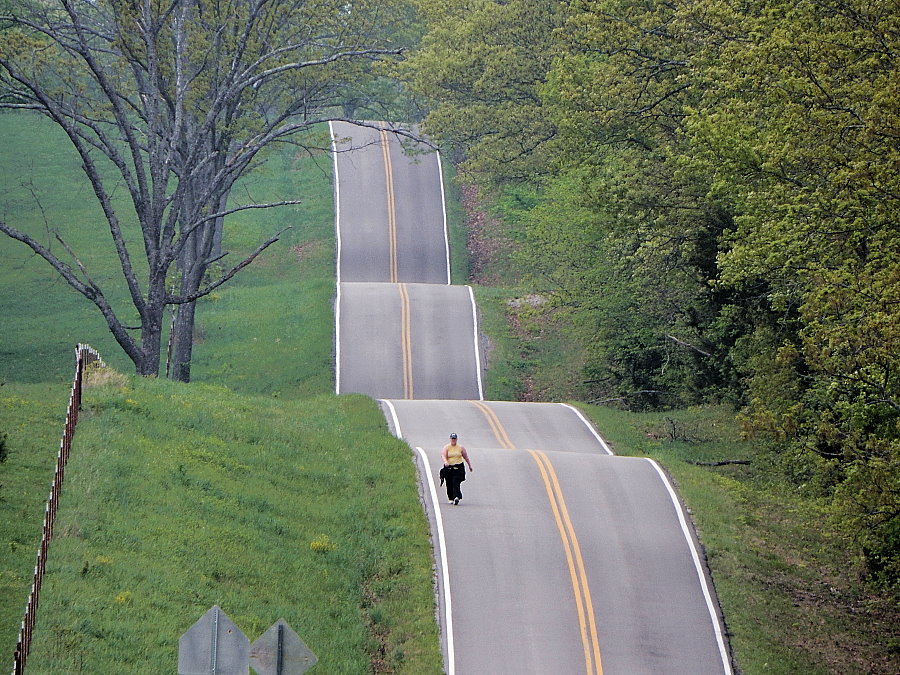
pixel 590 427
pixel 397 431
pixel 477 351
pixel 337 340
pixel 337 198
pixel 337 229
pixel 723 651
pixel 444 213
pixel 442 544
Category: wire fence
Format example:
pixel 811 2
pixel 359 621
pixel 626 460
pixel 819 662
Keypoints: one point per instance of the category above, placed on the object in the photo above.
pixel 85 355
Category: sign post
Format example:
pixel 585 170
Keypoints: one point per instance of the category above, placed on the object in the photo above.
pixel 280 651
pixel 215 646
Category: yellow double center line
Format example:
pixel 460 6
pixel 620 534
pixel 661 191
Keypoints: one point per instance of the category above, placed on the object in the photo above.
pixel 405 331
pixel 391 210
pixel 406 341
pixel 496 427
pixel 577 574
pixel 586 621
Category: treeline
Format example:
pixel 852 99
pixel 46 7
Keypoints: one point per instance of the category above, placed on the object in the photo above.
pixel 709 191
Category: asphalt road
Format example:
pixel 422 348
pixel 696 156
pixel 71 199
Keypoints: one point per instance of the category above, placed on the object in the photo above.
pixel 407 341
pixel 561 558
pixel 380 237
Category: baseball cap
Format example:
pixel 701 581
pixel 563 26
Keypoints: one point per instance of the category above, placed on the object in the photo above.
pixel 452 435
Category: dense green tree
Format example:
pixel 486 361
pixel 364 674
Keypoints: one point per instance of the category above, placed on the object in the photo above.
pixel 477 72
pixel 798 130
pixel 620 90
pixel 767 131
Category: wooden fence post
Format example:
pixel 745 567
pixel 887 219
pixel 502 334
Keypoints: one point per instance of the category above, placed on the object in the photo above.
pixel 84 354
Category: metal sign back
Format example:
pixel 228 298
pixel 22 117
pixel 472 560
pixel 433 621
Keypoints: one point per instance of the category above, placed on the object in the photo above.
pixel 213 646
pixel 280 651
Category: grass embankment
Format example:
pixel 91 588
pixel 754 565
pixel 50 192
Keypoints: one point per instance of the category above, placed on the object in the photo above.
pixel 459 255
pixel 181 497
pixel 791 592
pixel 295 505
pixel 31 423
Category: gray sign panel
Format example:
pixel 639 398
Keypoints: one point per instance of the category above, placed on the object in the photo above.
pixel 280 651
pixel 213 646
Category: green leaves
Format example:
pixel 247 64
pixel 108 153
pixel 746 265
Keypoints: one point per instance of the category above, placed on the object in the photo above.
pixel 478 69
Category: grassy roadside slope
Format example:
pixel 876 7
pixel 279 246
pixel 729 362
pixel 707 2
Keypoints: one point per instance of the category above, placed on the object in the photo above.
pixel 180 497
pixel 31 423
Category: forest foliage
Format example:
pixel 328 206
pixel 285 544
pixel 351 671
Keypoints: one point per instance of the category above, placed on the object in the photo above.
pixel 709 193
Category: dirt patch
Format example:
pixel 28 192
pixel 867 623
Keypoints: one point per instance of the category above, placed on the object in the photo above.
pixel 102 376
pixel 844 630
pixel 482 241
pixel 379 658
pixel 303 251
pixel 532 300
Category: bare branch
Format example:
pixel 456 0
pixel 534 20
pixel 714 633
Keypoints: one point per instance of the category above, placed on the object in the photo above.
pixel 90 291
pixel 78 262
pixel 181 97
pixel 220 214
pixel 688 345
pixel 180 300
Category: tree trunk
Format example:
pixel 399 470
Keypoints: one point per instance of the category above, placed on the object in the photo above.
pixel 217 234
pixel 203 245
pixel 192 266
pixel 183 343
pixel 151 335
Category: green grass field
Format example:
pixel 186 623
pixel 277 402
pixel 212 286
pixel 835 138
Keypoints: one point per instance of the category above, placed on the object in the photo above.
pixel 180 497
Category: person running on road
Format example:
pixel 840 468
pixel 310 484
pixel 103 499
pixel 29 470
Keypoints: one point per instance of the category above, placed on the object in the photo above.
pixel 454 472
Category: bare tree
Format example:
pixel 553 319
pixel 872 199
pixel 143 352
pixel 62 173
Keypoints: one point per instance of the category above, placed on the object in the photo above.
pixel 181 98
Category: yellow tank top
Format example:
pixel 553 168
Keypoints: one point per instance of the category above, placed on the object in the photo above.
pixel 454 454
